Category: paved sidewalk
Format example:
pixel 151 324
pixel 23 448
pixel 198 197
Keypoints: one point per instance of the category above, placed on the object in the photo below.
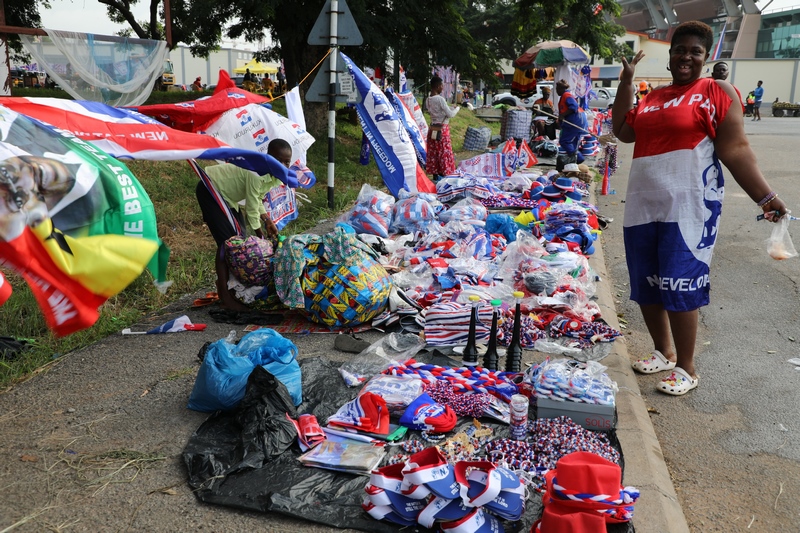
pixel 658 509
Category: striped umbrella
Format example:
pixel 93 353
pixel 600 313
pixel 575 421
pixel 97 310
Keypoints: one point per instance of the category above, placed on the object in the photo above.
pixel 550 54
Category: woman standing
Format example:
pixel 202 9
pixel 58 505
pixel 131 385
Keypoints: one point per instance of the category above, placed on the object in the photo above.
pixel 440 161
pixel 682 132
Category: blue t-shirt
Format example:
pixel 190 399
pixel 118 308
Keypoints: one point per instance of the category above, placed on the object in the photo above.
pixel 758 93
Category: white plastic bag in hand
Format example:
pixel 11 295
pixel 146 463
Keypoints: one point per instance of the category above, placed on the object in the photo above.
pixel 779 244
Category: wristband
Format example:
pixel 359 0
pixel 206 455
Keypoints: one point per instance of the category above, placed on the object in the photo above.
pixel 768 198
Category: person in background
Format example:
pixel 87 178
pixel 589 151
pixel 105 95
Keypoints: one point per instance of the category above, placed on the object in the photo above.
pixel 643 91
pixel 758 94
pixel 197 85
pixel 441 160
pixel 235 185
pixel 268 85
pixel 571 119
pixel 720 72
pixel 540 120
pixel 675 193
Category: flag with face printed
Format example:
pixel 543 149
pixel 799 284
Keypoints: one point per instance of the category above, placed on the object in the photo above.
pixel 74 222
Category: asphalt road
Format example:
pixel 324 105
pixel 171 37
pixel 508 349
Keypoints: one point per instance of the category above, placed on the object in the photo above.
pixel 732 445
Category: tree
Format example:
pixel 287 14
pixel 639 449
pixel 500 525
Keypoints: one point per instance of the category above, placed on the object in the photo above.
pixel 589 24
pixel 24 14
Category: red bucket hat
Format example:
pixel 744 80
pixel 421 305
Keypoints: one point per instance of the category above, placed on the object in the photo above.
pixel 583 481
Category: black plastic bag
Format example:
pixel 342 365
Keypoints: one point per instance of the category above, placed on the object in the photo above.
pixel 565 159
pixel 249 437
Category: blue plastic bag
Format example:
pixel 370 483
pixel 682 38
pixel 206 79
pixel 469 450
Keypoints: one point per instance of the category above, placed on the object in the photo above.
pixel 222 378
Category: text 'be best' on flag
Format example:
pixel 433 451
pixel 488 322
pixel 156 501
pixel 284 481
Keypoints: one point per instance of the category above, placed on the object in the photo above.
pixel 74 222
pixel 390 142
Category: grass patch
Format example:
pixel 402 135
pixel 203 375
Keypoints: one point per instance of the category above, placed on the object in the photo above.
pixel 176 374
pixel 171 187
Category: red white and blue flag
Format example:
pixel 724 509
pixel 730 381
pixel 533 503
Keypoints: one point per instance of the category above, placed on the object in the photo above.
pixel 393 149
pixel 126 134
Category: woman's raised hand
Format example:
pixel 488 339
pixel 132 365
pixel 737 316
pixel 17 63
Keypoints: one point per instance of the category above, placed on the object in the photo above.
pixel 628 69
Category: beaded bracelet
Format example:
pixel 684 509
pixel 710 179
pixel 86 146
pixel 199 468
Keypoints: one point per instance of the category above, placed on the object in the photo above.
pixel 768 198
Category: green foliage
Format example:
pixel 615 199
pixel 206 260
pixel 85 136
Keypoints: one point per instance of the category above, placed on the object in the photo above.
pixel 23 13
pixel 543 20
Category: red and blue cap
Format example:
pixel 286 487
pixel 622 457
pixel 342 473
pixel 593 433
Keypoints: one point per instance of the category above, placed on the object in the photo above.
pixel 443 510
pixel 424 414
pixel 390 478
pixel 509 503
pixel 385 512
pixel 430 468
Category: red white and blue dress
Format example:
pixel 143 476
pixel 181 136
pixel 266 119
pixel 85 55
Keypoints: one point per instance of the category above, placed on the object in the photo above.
pixel 675 191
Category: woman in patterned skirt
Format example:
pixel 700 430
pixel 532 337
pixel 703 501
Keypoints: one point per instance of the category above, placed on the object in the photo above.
pixel 440 161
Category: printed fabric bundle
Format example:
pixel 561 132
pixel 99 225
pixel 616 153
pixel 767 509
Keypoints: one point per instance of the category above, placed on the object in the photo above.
pixel 334 277
pixel 249 260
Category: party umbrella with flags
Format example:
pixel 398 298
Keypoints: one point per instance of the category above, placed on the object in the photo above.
pixel 551 54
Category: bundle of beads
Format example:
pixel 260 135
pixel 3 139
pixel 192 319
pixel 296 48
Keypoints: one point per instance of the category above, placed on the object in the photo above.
pixel 610 158
pixel 551 439
pixel 472 404
pixel 587 333
pixel 464 379
pixel 509 200
pixel 529 332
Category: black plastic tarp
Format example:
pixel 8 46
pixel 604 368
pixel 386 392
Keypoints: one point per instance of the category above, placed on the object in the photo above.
pixel 247 459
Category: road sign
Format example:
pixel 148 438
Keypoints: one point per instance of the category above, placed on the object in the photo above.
pixel 320 87
pixel 347 32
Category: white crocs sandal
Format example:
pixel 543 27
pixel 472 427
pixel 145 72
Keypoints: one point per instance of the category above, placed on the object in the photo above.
pixel 678 383
pixel 657 362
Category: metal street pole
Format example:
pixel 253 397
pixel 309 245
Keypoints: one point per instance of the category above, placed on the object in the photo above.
pixel 332 97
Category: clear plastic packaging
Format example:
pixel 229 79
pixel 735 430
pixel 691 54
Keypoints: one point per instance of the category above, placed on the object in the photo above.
pixel 779 244
pixel 398 391
pixel 393 349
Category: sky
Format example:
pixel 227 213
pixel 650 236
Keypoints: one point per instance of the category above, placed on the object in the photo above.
pixel 89 16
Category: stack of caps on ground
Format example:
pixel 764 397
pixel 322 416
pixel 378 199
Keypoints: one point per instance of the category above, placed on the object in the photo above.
pixel 570 380
pixel 589 145
pixel 367 413
pixel 468 496
pixel 569 223
pixel 424 414
pixel 583 494
pixel 562 187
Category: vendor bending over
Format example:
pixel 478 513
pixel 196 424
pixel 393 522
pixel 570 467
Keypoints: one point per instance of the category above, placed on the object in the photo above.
pixel 572 120
pixel 234 185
